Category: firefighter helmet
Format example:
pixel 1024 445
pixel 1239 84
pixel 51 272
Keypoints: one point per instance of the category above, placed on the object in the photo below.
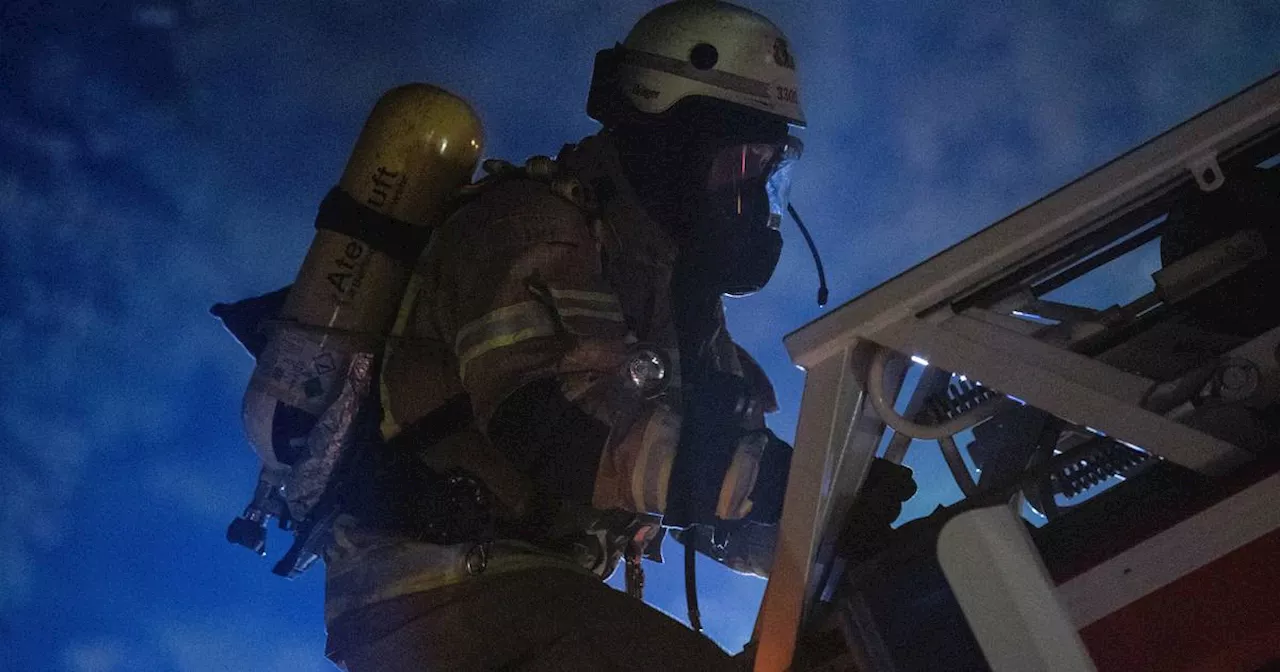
pixel 697 48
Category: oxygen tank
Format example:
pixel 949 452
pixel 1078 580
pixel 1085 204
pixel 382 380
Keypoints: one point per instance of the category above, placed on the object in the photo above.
pixel 418 146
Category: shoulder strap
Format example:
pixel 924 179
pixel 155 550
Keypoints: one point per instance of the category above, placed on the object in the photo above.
pixel 538 168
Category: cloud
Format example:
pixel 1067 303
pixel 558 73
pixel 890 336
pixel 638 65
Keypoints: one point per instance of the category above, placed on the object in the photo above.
pixel 198 489
pixel 100 655
pixel 197 644
pixel 93 317
pixel 249 643
pixel 42 462
pixel 985 111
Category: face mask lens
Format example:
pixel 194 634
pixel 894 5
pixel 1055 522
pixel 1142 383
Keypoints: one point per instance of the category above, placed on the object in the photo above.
pixel 741 175
pixel 744 195
pixel 778 186
pixel 778 189
pixel 736 164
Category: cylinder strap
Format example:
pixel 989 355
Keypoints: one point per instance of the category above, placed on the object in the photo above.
pixel 400 240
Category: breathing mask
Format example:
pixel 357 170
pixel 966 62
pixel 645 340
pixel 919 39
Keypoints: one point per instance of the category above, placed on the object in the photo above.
pixel 733 243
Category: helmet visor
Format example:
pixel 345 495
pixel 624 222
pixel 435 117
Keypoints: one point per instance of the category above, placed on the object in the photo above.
pixel 743 176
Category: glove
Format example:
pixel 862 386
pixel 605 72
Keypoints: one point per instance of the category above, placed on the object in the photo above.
pixel 721 472
pixel 771 482
pixel 709 433
pixel 879 503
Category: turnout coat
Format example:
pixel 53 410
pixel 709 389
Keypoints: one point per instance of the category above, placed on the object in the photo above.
pixel 550 275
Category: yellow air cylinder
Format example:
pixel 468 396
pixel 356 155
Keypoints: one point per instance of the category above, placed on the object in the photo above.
pixel 418 146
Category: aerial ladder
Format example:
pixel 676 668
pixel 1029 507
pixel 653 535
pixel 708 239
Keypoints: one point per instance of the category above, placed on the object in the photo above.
pixel 1141 436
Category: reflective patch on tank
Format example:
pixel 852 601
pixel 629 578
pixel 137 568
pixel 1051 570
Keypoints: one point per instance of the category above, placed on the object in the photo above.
pixel 299 370
pixel 330 441
pixel 259 413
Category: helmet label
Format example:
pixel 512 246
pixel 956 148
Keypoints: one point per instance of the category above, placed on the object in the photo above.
pixel 782 55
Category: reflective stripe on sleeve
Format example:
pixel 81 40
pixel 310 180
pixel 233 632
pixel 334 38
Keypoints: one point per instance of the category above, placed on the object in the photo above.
pixel 740 479
pixel 652 467
pixel 614 315
pixel 588 305
pixel 585 296
pixel 502 328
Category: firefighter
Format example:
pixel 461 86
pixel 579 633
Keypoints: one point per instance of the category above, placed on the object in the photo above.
pixel 560 384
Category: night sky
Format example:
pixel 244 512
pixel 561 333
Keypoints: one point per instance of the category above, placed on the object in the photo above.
pixel 156 158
